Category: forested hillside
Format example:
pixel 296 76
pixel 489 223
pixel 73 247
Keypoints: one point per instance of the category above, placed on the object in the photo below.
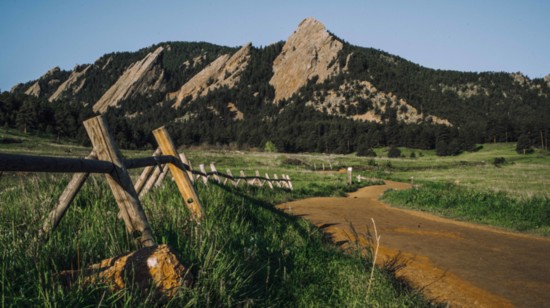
pixel 348 98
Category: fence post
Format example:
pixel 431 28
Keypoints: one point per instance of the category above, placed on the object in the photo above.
pixel 162 175
pixel 186 161
pixel 260 182
pixel 268 181
pixel 145 174
pixel 64 201
pixel 183 182
pixel 246 181
pixel 150 181
pixel 205 176
pixel 213 169
pixel 289 182
pixel 277 180
pixel 350 177
pixel 235 183
pixel 119 180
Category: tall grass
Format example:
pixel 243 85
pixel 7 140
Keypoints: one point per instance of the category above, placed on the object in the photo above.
pixel 246 252
pixel 492 208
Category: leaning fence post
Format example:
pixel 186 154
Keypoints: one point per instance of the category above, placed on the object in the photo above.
pixel 246 181
pixel 186 161
pixel 145 174
pixel 289 182
pixel 204 175
pixel 235 183
pixel 183 182
pixel 119 180
pixel 64 201
pixel 162 175
pixel 277 180
pixel 150 181
pixel 260 182
pixel 268 181
pixel 215 173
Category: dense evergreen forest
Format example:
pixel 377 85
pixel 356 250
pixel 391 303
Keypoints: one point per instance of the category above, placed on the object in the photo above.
pixel 482 107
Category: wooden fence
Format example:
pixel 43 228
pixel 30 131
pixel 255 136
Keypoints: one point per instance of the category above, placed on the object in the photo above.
pixel 106 159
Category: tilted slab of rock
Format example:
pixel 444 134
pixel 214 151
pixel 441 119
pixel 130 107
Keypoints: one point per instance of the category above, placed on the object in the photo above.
pixel 34 90
pixel 140 78
pixel 310 51
pixel 70 84
pixel 157 265
pixel 224 71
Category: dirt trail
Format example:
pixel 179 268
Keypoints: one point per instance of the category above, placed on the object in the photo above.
pixel 463 264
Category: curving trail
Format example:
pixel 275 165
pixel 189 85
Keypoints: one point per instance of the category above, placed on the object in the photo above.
pixel 463 264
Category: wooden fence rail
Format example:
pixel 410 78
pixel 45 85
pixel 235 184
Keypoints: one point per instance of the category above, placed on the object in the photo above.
pixel 106 159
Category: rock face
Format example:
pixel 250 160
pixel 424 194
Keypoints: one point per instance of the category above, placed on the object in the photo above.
pixel 74 83
pixel 310 51
pixel 224 71
pixel 358 92
pixel 139 78
pixel 34 90
pixel 547 79
pixel 148 266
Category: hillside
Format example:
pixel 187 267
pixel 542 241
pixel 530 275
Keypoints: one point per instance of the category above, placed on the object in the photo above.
pixel 314 92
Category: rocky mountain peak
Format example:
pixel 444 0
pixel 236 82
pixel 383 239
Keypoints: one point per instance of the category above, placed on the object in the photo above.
pixel 310 51
pixel 224 71
pixel 141 77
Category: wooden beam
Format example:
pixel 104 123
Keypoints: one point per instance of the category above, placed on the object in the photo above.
pixel 181 178
pixel 119 180
pixel 31 163
pixel 138 186
pixel 150 181
pixel 268 181
pixel 216 176
pixel 162 175
pixel 64 202
pixel 277 182
pixel 186 161
pixel 235 182
pixel 205 176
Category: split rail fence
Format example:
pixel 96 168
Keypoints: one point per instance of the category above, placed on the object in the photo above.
pixel 107 159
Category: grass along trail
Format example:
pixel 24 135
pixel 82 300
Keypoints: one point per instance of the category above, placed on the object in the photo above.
pixel 460 263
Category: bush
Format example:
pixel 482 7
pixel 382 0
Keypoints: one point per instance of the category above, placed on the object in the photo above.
pixel 499 161
pixel 364 151
pixel 394 152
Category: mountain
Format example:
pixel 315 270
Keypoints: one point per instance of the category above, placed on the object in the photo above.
pixel 313 92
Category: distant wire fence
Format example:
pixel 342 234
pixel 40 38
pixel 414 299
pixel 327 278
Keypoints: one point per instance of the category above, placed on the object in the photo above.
pixel 106 159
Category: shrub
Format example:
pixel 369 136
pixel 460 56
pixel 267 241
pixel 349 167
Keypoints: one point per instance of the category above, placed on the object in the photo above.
pixel 394 152
pixel 499 161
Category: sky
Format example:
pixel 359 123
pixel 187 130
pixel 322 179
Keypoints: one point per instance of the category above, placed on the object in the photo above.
pixel 465 35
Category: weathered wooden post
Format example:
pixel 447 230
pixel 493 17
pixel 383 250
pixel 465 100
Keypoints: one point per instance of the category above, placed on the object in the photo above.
pixel 244 178
pixel 350 176
pixel 145 174
pixel 205 176
pixel 259 181
pixel 64 201
pixel 235 182
pixel 215 173
pixel 162 175
pixel 289 182
pixel 186 161
pixel 150 181
pixel 268 181
pixel 183 182
pixel 277 180
pixel 119 180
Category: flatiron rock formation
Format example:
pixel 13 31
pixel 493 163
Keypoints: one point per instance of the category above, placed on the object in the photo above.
pixel 140 78
pixel 310 51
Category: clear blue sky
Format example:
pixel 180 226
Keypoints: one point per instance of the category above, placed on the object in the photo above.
pixel 465 35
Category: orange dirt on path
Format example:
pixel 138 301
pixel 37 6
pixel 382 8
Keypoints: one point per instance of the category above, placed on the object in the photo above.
pixel 463 264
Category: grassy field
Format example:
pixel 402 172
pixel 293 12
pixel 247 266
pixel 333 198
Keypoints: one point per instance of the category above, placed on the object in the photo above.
pixel 246 253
